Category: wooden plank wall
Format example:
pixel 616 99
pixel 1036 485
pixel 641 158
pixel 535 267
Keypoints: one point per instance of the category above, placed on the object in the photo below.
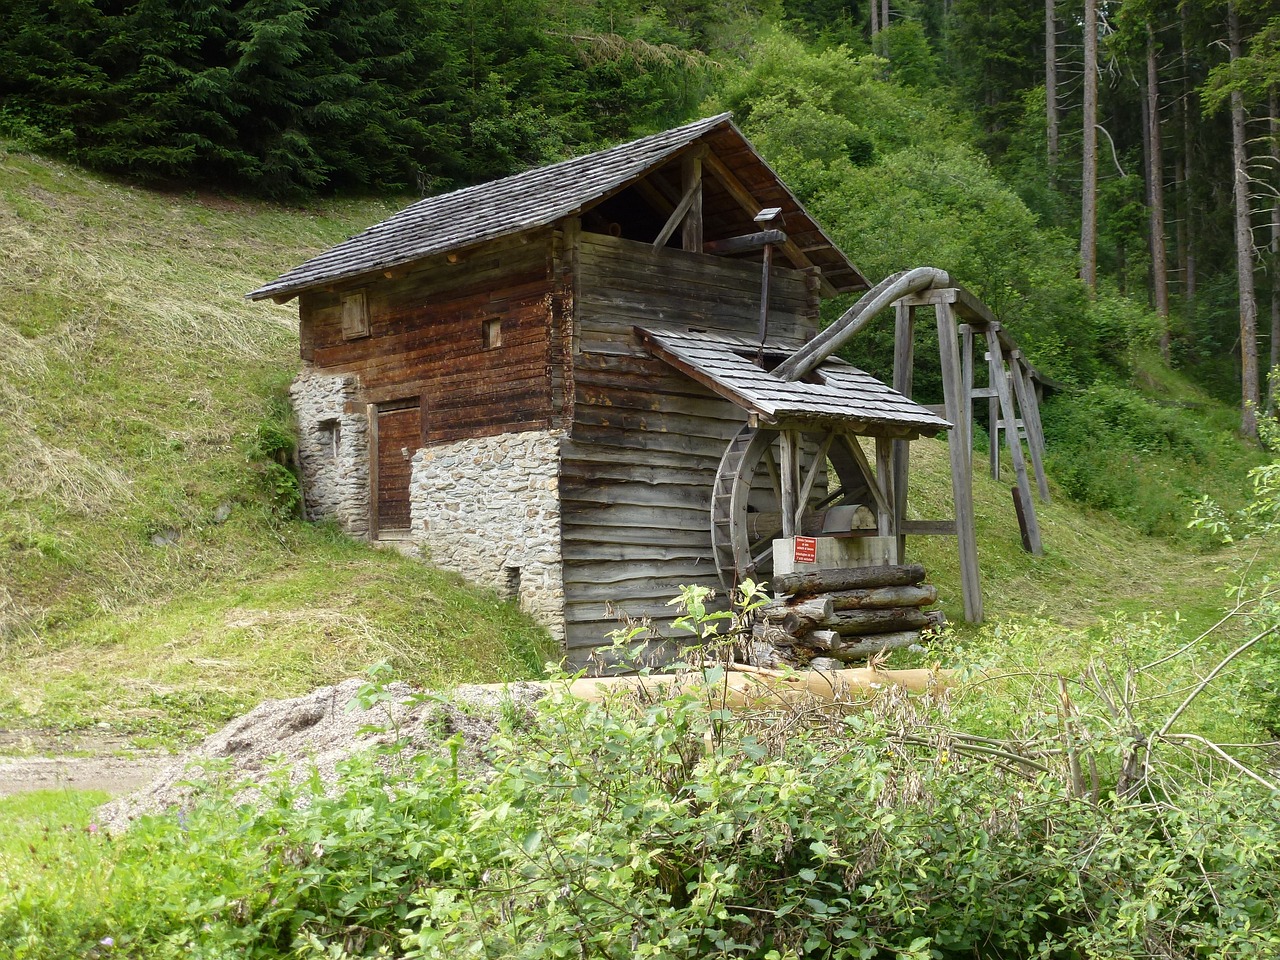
pixel 425 340
pixel 638 467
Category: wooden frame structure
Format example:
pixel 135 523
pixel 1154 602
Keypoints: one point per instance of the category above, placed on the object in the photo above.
pixel 1013 393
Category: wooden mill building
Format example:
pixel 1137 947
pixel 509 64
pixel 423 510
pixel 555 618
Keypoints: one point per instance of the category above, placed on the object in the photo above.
pixel 558 384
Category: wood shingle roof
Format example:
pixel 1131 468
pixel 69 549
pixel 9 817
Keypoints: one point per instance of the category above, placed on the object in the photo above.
pixel 544 195
pixel 840 391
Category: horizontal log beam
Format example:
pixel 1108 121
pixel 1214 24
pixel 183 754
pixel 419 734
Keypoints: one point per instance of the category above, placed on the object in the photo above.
pixel 743 244
pixel 804 614
pixel 879 598
pixel 847 578
pixel 860 622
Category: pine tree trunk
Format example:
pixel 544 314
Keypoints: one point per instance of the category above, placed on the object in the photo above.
pixel 1051 87
pixel 1089 153
pixel 1188 253
pixel 1249 396
pixel 1273 372
pixel 875 18
pixel 1155 182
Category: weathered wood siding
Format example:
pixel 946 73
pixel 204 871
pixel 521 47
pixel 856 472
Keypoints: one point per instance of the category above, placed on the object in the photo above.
pixel 639 464
pixel 426 339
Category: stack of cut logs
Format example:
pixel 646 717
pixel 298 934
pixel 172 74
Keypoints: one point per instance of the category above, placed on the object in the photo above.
pixel 845 615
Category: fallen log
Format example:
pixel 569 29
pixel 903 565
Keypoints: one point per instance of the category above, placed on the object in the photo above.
pixel 858 622
pixel 758 689
pixel 804 613
pixel 847 578
pixel 875 598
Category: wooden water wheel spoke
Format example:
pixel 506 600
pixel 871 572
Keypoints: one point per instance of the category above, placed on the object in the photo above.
pixel 747 505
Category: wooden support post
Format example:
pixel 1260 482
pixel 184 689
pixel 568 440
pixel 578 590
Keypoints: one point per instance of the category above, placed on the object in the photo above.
pixel 1013 441
pixel 1031 419
pixel 993 430
pixel 691 176
pixel 966 376
pixel 788 482
pixel 886 519
pixel 961 475
pixel 903 361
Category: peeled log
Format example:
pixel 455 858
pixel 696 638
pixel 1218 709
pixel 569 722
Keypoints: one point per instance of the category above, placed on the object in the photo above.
pixel 805 613
pixel 878 598
pixel 847 578
pixel 758 690
pixel 860 622
pixel 863 648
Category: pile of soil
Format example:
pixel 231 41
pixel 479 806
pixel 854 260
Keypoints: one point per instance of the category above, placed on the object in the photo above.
pixel 319 730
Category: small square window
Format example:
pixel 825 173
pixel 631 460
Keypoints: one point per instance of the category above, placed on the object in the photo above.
pixel 492 334
pixel 355 315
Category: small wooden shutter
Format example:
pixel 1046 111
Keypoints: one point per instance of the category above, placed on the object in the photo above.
pixel 399 436
pixel 355 315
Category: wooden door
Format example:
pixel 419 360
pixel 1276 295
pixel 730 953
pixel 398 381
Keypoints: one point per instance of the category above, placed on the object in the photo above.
pixel 397 435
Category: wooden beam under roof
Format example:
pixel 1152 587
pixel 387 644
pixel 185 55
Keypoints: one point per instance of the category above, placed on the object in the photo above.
pixel 751 205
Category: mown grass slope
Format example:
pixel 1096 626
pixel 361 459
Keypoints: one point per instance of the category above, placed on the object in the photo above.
pixel 148 578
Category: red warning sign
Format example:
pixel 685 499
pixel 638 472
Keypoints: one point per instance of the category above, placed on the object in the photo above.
pixel 806 550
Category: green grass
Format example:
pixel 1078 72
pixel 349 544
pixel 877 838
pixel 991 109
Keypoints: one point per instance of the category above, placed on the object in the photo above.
pixel 134 379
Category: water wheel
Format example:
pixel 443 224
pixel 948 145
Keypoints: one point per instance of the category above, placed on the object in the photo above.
pixel 747 499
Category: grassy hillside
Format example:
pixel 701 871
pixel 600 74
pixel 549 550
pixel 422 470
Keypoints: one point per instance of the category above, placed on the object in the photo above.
pixel 148 577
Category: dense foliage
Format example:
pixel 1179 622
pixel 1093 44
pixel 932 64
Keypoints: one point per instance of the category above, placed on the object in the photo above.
pixel 284 98
pixel 675 829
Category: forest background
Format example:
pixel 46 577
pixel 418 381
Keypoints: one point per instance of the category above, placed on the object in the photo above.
pixel 941 131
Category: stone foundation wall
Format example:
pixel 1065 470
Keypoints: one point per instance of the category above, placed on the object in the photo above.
pixel 333 449
pixel 489 508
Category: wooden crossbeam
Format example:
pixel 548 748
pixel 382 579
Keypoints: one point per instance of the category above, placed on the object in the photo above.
pixel 677 215
pixel 873 483
pixel 751 205
pixel 745 243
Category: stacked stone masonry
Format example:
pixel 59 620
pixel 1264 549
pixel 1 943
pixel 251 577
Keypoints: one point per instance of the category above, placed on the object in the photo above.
pixel 489 508
pixel 333 449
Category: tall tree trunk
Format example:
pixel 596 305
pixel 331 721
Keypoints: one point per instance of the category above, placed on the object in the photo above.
pixel 1089 185
pixel 875 19
pixel 1051 87
pixel 1155 182
pixel 1273 123
pixel 1188 254
pixel 1249 396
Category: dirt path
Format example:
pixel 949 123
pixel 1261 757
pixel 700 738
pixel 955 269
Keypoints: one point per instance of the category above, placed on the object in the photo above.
pixel 47 760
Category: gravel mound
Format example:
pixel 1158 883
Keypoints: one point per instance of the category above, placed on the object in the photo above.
pixel 318 731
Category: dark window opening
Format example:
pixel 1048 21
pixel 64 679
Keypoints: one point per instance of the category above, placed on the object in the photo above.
pixel 492 334
pixel 331 437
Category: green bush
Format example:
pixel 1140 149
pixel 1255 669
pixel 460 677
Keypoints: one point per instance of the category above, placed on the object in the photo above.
pixel 674 828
